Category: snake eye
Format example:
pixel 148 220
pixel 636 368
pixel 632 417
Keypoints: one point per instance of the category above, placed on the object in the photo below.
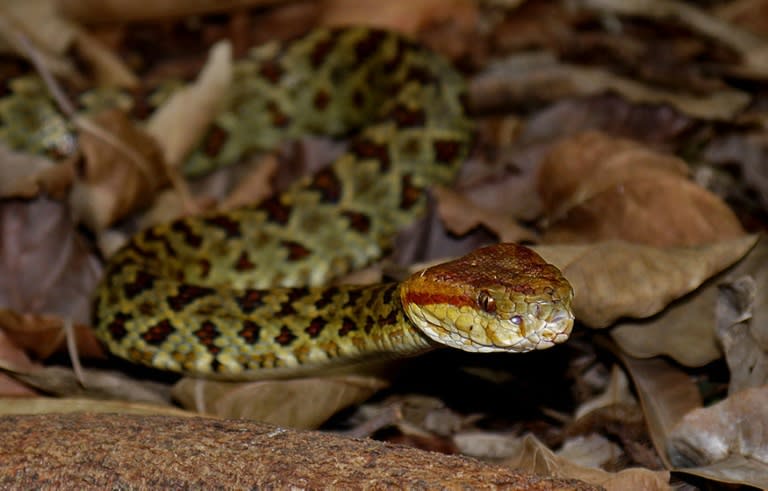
pixel 486 302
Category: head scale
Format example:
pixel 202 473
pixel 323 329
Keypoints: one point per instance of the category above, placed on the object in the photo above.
pixel 503 297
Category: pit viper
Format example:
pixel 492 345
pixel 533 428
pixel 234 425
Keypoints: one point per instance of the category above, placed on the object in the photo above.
pixel 242 294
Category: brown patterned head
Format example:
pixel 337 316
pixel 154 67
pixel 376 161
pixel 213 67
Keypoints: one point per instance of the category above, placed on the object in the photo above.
pixel 503 297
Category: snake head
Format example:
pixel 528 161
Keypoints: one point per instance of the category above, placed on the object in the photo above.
pixel 503 297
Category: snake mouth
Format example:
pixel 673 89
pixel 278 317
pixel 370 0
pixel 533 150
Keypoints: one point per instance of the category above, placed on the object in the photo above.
pixel 482 333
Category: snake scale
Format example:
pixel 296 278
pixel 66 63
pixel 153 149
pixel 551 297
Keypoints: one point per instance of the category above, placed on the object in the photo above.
pixel 241 295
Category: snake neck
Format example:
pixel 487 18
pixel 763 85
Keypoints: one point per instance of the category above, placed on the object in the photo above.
pixel 256 333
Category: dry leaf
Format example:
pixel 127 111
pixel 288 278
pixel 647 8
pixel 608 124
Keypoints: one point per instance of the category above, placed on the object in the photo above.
pixel 533 456
pixel 95 384
pixel 539 76
pixel 753 49
pixel 730 436
pixel 255 186
pixel 749 14
pixel 595 187
pixel 747 150
pixel 122 169
pixel 120 11
pixel 656 126
pixel 742 320
pixel 616 392
pixel 180 123
pixel 45 405
pixel 108 69
pixel 46 274
pixel 298 403
pixel 11 355
pixel 686 330
pixel 49 34
pixel 666 394
pixel 593 451
pixel 487 445
pixel 745 349
pixel 580 167
pixel 11 388
pixel 618 279
pixel 404 16
pixel 460 216
pixel 24 175
pixel 43 335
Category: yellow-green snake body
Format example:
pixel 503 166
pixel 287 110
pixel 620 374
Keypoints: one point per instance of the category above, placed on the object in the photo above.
pixel 242 294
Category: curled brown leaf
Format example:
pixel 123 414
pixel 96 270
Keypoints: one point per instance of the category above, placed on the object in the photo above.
pixel 47 274
pixel 122 167
pixel 298 403
pixel 597 188
pixel 616 279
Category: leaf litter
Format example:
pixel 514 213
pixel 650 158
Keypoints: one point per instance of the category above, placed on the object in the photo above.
pixel 589 146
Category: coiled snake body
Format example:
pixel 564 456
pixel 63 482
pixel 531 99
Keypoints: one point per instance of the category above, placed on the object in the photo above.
pixel 239 295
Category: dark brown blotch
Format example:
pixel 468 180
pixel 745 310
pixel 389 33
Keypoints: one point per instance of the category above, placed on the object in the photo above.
pixel 327 184
pixel 244 263
pixel 446 151
pixel 420 74
pixel 279 118
pixel 188 235
pixel 142 281
pixel 207 334
pixel 294 294
pixel 368 46
pixel 286 309
pixel 158 333
pixel 321 99
pixel 405 117
pixel 271 70
pixel 230 227
pixel 205 267
pixel 296 251
pixel 363 148
pixel 214 140
pixel 116 326
pixel 390 319
pixel 400 49
pixel 315 327
pixel 326 298
pixel 360 222
pixel 276 211
pixel 250 300
pixel 388 294
pixel 250 332
pixel 186 294
pixel 152 236
pixel 358 98
pixel 285 337
pixel 409 194
pixel 297 293
pixel 321 50
pixel 353 296
pixel 370 323
pixel 347 325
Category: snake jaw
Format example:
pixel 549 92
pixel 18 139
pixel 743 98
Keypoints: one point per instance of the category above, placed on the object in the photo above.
pixel 499 298
pixel 484 333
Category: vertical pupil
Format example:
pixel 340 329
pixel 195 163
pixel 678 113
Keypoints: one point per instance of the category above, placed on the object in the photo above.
pixel 486 302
